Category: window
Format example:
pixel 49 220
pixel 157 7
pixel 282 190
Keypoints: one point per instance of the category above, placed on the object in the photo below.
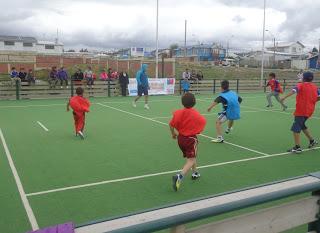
pixel 294 50
pixel 139 49
pixel 27 44
pixel 49 46
pixel 10 43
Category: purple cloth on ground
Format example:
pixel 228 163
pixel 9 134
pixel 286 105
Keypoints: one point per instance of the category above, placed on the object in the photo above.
pixel 61 228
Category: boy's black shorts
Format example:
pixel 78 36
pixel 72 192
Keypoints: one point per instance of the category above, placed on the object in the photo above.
pixel 142 90
pixel 299 124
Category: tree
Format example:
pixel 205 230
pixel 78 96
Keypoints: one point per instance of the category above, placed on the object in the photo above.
pixel 315 50
pixel 172 48
pixel 71 51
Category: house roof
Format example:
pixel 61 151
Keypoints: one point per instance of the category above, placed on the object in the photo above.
pixel 287 44
pixel 18 39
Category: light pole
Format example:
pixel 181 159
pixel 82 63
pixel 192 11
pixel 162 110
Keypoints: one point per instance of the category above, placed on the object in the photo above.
pixel 263 34
pixel 185 38
pixel 274 48
pixel 157 41
pixel 228 44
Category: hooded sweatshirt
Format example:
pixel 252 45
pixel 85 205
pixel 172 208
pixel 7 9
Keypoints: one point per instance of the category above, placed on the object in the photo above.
pixel 142 77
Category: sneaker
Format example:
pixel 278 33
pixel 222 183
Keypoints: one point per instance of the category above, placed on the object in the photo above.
pixel 134 104
pixel 81 135
pixel 313 143
pixel 176 182
pixel 146 106
pixel 218 140
pixel 269 106
pixel 61 87
pixel 295 149
pixel 195 175
pixel 228 130
pixel 67 87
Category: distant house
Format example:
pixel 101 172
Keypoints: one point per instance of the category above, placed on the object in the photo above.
pixel 288 47
pixel 201 52
pixel 314 62
pixel 29 44
pixel 18 43
pixel 134 52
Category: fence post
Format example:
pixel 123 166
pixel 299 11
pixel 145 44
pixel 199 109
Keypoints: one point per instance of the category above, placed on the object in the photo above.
pixel 18 85
pixel 284 85
pixel 109 91
pixel 214 86
pixel 72 87
pixel 265 86
pixel 237 85
pixel 180 86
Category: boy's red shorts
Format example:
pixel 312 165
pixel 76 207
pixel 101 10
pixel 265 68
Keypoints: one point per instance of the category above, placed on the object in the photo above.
pixel 188 145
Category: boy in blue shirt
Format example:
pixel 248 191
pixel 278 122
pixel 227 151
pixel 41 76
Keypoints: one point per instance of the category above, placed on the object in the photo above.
pixel 143 85
pixel 185 85
pixel 230 109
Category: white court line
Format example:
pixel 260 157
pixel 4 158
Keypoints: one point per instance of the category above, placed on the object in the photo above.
pixel 162 123
pixel 209 114
pixel 42 126
pixel 26 204
pixel 154 174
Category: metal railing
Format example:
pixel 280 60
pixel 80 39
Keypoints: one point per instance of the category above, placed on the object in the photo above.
pixel 274 219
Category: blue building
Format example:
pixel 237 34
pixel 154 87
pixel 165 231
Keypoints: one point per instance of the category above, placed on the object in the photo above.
pixel 201 52
pixel 314 62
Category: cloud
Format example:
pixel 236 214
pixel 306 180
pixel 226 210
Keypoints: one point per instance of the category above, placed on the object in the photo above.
pixel 125 23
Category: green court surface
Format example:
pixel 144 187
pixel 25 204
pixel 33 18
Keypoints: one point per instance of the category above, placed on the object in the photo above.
pixel 128 157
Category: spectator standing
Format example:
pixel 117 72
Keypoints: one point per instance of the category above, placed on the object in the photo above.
pixel 53 77
pixel 124 81
pixel 186 74
pixel 63 77
pixel 103 75
pixel 110 73
pixel 31 79
pixel 88 75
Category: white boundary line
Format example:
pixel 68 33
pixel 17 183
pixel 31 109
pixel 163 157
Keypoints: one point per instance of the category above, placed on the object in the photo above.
pixel 42 126
pixel 162 123
pixel 23 196
pixel 155 174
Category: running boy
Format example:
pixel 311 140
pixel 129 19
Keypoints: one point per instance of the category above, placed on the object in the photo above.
pixel 188 123
pixel 276 90
pixel 306 99
pixel 80 106
pixel 230 109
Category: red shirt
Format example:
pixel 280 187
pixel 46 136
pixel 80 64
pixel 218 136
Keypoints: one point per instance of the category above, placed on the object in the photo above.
pixel 188 122
pixel 79 104
pixel 274 85
pixel 306 99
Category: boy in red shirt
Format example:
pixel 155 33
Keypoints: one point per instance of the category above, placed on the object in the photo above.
pixel 188 123
pixel 80 106
pixel 306 99
pixel 276 90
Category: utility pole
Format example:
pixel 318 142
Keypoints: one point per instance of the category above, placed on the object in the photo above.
pixel 263 34
pixel 185 38
pixel 274 52
pixel 157 41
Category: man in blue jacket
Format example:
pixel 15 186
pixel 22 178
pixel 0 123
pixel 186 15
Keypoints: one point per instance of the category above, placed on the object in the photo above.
pixel 230 109
pixel 143 85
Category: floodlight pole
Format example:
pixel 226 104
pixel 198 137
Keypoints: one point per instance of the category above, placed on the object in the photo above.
pixel 185 38
pixel 263 35
pixel 157 41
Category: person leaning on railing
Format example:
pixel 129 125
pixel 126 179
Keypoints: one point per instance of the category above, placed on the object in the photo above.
pixel 53 77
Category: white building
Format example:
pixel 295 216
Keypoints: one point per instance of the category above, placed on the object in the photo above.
pixel 288 47
pixel 29 44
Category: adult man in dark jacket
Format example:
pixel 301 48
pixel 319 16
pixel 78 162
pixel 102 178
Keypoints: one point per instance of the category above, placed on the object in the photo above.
pixel 124 81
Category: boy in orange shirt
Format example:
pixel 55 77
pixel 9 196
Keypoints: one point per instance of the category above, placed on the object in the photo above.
pixel 80 106
pixel 188 123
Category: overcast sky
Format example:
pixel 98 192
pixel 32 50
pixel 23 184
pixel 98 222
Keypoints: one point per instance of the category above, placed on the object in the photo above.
pixel 125 23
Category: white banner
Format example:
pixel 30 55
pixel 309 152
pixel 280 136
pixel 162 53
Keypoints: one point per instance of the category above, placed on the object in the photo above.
pixel 161 86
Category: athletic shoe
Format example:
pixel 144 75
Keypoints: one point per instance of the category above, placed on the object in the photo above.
pixel 313 143
pixel 195 175
pixel 146 106
pixel 295 149
pixel 61 87
pixel 134 104
pixel 228 130
pixel 176 182
pixel 269 106
pixel 81 135
pixel 218 140
pixel 67 87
